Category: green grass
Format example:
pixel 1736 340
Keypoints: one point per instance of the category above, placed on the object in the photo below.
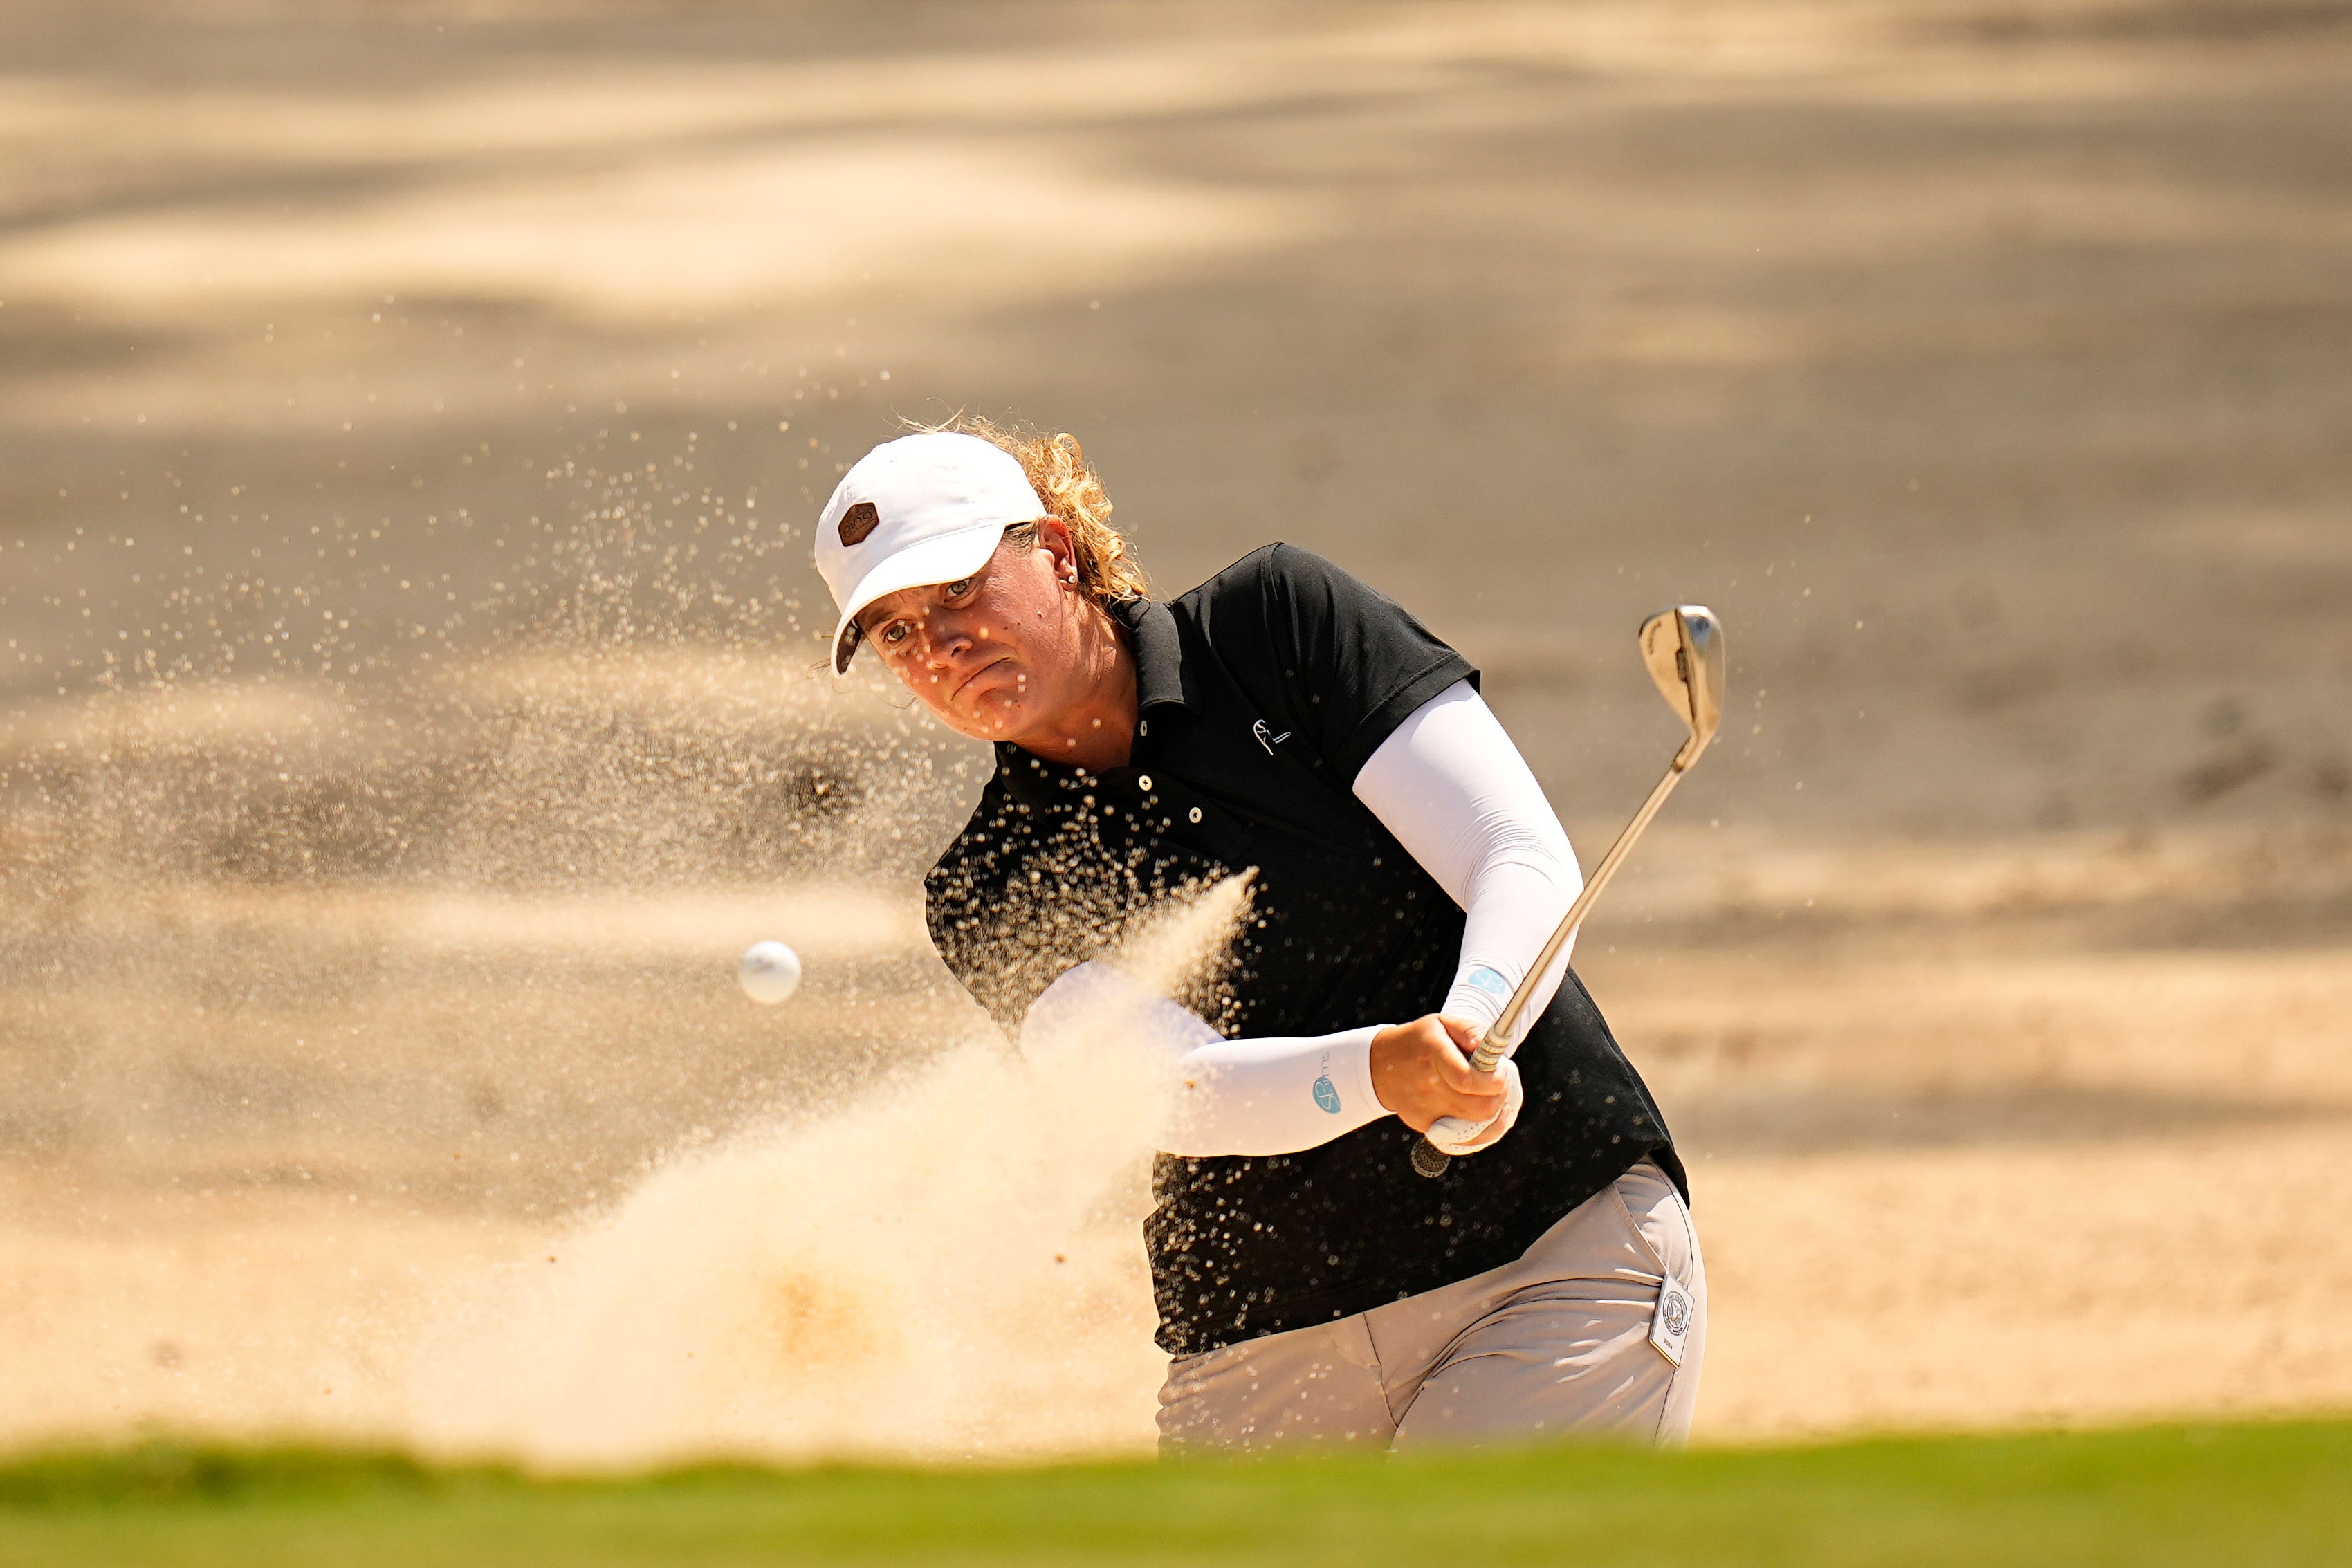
pixel 2249 1496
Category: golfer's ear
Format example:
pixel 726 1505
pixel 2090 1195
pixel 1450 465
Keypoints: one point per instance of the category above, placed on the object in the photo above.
pixel 1054 536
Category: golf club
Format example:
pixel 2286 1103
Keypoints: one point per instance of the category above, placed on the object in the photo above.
pixel 1684 650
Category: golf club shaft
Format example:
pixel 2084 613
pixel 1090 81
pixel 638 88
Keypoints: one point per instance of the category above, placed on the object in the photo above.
pixel 1503 1037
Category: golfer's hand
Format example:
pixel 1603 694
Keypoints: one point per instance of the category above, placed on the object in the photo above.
pixel 1421 1071
pixel 1459 1138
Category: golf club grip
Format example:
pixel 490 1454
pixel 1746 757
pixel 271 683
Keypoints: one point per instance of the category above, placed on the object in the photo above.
pixel 1429 1159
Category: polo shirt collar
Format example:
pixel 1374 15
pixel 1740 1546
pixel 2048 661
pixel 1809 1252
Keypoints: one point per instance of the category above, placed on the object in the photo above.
pixel 1158 650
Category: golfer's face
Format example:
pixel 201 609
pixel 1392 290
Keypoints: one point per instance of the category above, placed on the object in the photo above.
pixel 984 652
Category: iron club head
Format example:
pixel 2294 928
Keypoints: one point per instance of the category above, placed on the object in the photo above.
pixel 1684 650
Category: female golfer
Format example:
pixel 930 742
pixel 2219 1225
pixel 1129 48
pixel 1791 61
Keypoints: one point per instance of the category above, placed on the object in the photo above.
pixel 1284 720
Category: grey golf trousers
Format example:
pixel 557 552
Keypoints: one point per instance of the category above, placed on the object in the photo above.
pixel 1554 1345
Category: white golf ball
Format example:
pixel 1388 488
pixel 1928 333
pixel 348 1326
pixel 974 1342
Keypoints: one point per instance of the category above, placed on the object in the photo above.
pixel 769 972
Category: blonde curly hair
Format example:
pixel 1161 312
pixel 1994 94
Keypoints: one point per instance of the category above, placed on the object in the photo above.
pixel 1073 492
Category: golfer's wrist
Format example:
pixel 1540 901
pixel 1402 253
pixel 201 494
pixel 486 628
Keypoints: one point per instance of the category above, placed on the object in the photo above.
pixel 1354 1059
pixel 1477 997
pixel 1389 1054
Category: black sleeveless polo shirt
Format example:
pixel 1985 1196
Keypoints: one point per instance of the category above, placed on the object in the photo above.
pixel 1263 692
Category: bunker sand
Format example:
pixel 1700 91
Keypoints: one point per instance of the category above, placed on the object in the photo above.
pixel 1957 1164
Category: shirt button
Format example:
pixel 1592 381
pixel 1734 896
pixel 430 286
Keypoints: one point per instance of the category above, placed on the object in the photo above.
pixel 1144 781
pixel 1193 815
pixel 1143 727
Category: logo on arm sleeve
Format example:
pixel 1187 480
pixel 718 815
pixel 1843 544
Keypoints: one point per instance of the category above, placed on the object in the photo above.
pixel 1488 981
pixel 1326 1094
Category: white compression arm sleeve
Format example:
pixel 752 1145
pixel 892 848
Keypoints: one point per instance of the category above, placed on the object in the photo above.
pixel 1455 792
pixel 1273 1096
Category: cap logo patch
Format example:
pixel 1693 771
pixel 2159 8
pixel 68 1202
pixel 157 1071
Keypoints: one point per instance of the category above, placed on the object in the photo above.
pixel 857 522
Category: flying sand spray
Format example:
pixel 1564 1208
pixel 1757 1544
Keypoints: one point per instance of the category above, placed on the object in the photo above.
pixel 888 1277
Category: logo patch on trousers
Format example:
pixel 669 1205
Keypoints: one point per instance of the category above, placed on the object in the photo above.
pixel 1671 1323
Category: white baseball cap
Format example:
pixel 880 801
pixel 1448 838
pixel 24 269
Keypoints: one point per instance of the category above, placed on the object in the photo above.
pixel 924 508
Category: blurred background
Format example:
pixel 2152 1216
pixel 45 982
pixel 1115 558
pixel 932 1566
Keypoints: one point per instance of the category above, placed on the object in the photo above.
pixel 411 420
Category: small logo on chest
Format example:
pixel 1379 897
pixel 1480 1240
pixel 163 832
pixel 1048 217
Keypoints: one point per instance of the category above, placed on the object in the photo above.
pixel 1266 738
